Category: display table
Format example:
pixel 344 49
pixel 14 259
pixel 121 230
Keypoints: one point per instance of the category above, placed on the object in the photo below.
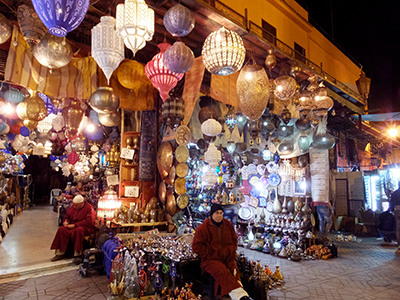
pixel 135 226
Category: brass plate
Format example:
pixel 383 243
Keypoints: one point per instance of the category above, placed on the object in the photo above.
pixel 182 170
pixel 182 154
pixel 172 175
pixel 182 201
pixel 180 186
pixel 183 135
pixel 164 159
pixel 171 204
pixel 162 192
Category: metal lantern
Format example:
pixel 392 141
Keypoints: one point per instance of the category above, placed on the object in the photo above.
pixel 5 29
pixel 304 143
pixel 285 87
pixel 131 74
pixel 285 148
pixel 179 20
pixel 306 102
pixel 209 179
pixel 223 52
pixel 110 119
pixel 252 90
pixel 32 110
pixel 323 104
pixel 270 60
pixel 73 115
pixel 61 16
pixel 53 52
pixel 211 127
pixel 161 78
pixel 178 58
pixel 323 141
pixel 14 95
pixel 107 47
pixel 103 100
pixel 135 24
pixel 286 116
pixel 46 124
pixel 212 156
pixel 230 119
pixel 31 27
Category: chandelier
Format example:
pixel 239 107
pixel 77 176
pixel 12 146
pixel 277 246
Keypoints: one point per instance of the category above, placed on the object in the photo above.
pixel 107 46
pixel 135 23
pixel 61 16
pixel 161 78
pixel 223 52
pixel 179 20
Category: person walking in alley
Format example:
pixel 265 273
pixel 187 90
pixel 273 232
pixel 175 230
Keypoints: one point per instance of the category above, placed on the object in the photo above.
pixel 394 206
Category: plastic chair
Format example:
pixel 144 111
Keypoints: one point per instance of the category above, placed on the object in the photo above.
pixel 54 193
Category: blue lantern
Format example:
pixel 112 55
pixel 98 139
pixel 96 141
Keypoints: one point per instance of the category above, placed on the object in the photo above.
pixel 61 16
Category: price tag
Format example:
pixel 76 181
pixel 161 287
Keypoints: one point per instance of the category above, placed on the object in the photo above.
pixel 132 191
pixel 112 180
pixel 127 153
pixel 153 231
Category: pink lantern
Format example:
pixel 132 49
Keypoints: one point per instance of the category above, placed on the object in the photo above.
pixel 161 78
pixel 73 157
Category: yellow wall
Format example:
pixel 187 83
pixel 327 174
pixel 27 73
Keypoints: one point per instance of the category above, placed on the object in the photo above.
pixel 290 21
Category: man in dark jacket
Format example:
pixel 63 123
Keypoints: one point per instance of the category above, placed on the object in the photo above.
pixel 78 223
pixel 215 241
pixel 394 206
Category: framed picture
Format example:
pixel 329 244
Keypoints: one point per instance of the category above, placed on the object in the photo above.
pixel 299 187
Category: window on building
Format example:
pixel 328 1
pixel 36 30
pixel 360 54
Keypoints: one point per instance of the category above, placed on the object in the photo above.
pixel 269 32
pixel 300 52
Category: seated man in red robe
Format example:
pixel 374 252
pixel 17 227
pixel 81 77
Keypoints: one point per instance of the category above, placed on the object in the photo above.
pixel 215 241
pixel 78 223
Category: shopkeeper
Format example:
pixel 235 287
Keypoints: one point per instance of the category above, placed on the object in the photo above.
pixel 215 241
pixel 78 223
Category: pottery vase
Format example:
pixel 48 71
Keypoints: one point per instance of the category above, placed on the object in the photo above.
pixel 277 207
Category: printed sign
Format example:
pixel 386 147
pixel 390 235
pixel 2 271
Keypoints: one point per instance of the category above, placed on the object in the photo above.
pixel 112 180
pixel 127 153
pixel 132 191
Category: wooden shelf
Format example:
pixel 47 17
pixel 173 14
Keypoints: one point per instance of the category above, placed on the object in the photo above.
pixel 140 224
pixel 130 166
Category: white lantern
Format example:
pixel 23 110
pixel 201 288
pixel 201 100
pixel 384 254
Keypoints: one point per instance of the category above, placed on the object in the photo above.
pixel 135 23
pixel 178 58
pixel 179 20
pixel 46 124
pixel 212 156
pixel 211 127
pixel 107 46
pixel 223 52
pixel 209 179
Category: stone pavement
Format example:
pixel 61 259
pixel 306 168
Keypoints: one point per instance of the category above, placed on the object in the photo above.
pixel 363 270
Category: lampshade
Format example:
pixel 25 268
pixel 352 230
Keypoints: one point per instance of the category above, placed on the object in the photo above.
pixel 252 91
pixel 211 127
pixel 13 95
pixel 53 52
pixel 107 47
pixel 73 115
pixel 323 104
pixel 131 74
pixel 32 110
pixel 161 78
pixel 285 87
pixel 209 179
pixel 223 52
pixel 59 16
pixel 135 24
pixel 178 58
pixel 304 143
pixel 212 156
pixel 31 27
pixel 306 102
pixel 179 20
pixel 323 141
pixel 108 204
pixel 5 29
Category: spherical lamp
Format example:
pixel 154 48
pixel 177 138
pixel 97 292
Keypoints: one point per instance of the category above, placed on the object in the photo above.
pixel 223 52
pixel 5 29
pixel 131 74
pixel 32 110
pixel 179 20
pixel 306 102
pixel 178 58
pixel 73 115
pixel 211 127
pixel 53 52
pixel 31 26
pixel 61 17
pixel 285 87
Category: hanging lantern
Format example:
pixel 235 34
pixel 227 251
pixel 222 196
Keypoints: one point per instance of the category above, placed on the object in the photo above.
pixel 303 123
pixel 131 74
pixel 58 122
pixel 231 147
pixel 285 87
pixel 110 119
pixel 306 102
pixel 241 121
pixel 107 47
pixel 178 58
pixel 5 29
pixel 211 127
pixel 53 52
pixel 31 27
pixel 208 112
pixel 103 100
pixel 212 156
pixel 323 141
pixel 304 143
pixel 323 104
pixel 32 110
pixel 13 95
pixel 108 204
pixel 73 158
pixel 286 116
pixel 230 119
pixel 223 52
pixel 270 60
pixel 61 17
pixel 209 179
pixel 135 24
pixel 179 20
pixel 252 90
pixel 73 115
pixel 46 124
pixel 173 111
pixel 161 78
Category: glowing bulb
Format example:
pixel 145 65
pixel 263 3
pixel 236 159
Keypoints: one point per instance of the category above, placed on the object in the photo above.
pixel 91 128
pixel 259 185
pixel 317 98
pixel 283 128
pixel 265 123
pixel 60 11
pixel 324 139
pixel 240 119
pixel 302 98
pixel 8 109
pixel 204 169
pixel 303 185
pixel 251 236
pixel 249 76
pixel 392 132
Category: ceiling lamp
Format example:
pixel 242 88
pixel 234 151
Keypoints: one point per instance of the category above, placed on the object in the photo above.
pixel 285 87
pixel 107 47
pixel 31 27
pixel 252 90
pixel 32 110
pixel 5 29
pixel 211 127
pixel 135 23
pixel 212 156
pixel 61 16
pixel 179 20
pixel 306 102
pixel 161 78
pixel 53 52
pixel 131 74
pixel 223 52
pixel 178 58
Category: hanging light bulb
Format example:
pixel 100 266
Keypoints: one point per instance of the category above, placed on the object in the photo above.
pixel 135 24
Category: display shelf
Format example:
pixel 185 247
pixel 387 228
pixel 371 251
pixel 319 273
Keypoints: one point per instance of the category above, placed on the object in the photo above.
pixel 147 224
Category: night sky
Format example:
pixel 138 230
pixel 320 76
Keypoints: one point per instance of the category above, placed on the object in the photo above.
pixel 369 32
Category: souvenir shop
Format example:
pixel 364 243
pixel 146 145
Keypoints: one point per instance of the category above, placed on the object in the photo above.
pixel 153 143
